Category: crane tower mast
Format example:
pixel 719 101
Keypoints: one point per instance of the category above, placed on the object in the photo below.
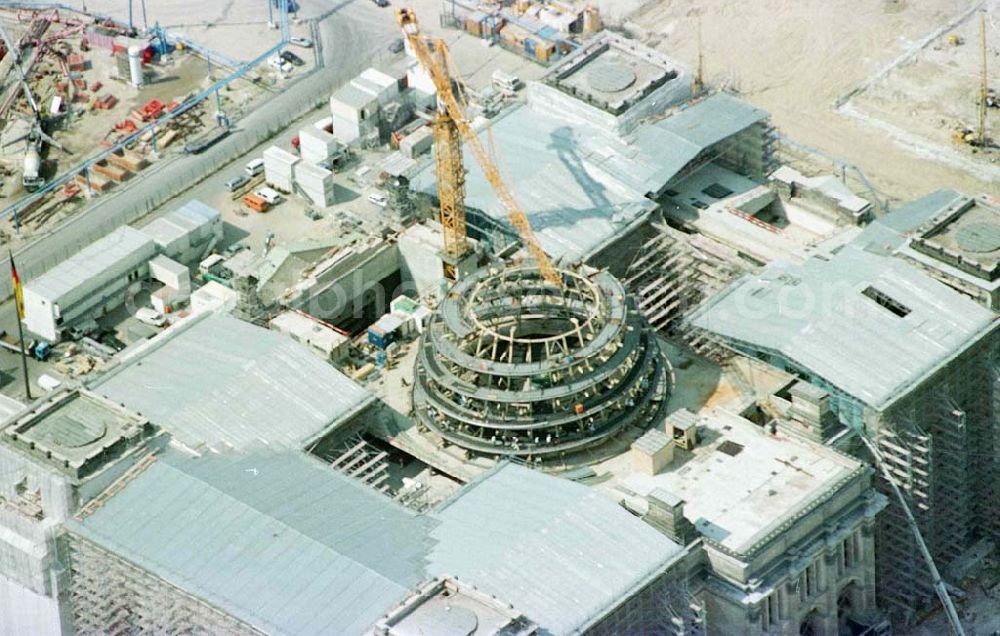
pixel 451 126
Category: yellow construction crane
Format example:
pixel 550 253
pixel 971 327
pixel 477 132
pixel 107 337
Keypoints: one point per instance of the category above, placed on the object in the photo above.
pixel 450 127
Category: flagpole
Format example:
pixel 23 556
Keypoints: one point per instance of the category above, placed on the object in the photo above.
pixel 20 333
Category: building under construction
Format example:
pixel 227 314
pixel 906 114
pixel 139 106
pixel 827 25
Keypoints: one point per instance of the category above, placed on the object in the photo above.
pixel 600 141
pixel 899 357
pixel 512 365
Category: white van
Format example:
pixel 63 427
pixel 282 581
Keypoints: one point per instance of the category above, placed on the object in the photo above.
pixel 255 167
pixel 151 317
pixel 273 197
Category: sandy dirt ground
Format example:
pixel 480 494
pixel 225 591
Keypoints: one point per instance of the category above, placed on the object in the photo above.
pixel 796 58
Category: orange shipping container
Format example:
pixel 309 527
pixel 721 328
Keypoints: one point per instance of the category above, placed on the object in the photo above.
pixel 137 159
pixel 124 162
pixel 112 172
pixel 96 182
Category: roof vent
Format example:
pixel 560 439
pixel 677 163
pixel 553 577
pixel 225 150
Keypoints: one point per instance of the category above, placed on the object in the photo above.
pixel 730 448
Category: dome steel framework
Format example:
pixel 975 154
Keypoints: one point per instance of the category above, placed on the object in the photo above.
pixel 511 365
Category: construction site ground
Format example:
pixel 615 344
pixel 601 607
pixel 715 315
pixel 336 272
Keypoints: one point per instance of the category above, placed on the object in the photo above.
pixel 240 30
pixel 84 129
pixel 922 100
pixel 796 59
pixel 188 73
pixel 977 610
pixel 237 30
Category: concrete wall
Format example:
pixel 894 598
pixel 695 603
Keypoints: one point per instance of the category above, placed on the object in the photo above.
pixel 768 593
pixel 354 283
pixel 23 612
pixel 420 264
pixel 673 92
pixel 547 99
pixel 783 604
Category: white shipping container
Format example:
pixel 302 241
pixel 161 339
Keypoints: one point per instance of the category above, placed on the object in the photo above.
pixel 279 168
pixel 316 183
pixel 170 273
pixel 386 86
pixel 407 324
pixel 311 155
pixel 323 124
pixel 324 198
pixel 417 143
pixel 318 140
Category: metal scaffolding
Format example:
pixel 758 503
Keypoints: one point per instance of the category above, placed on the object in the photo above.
pixel 673 275
pixel 940 443
pixel 112 597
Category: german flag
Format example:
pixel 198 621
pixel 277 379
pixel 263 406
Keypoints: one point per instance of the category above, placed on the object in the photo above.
pixel 18 289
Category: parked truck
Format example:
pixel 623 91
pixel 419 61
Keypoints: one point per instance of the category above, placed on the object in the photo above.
pixel 38 349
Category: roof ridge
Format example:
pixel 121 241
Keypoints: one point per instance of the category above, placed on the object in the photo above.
pixel 469 486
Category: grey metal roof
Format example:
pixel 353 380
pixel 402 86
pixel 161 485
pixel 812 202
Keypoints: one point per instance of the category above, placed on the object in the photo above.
pixel 889 233
pixel 88 266
pixel 353 96
pixel 712 119
pixel 579 189
pixel 879 238
pixel 816 315
pixel 278 540
pixel 283 542
pixel 917 212
pixel 561 553
pixel 582 188
pixel 221 382
pixel 180 222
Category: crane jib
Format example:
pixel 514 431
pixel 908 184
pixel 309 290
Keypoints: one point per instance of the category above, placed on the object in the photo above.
pixel 435 63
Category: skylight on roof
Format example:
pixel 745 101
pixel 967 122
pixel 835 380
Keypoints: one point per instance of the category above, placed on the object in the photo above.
pixel 886 302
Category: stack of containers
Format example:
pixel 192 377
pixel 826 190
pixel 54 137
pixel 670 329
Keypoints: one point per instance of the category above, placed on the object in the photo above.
pixel 316 145
pixel 325 124
pixel 417 143
pixel 279 168
pixel 413 314
pixel 316 183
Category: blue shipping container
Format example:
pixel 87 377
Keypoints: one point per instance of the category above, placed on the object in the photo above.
pixel 378 338
pixel 548 33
